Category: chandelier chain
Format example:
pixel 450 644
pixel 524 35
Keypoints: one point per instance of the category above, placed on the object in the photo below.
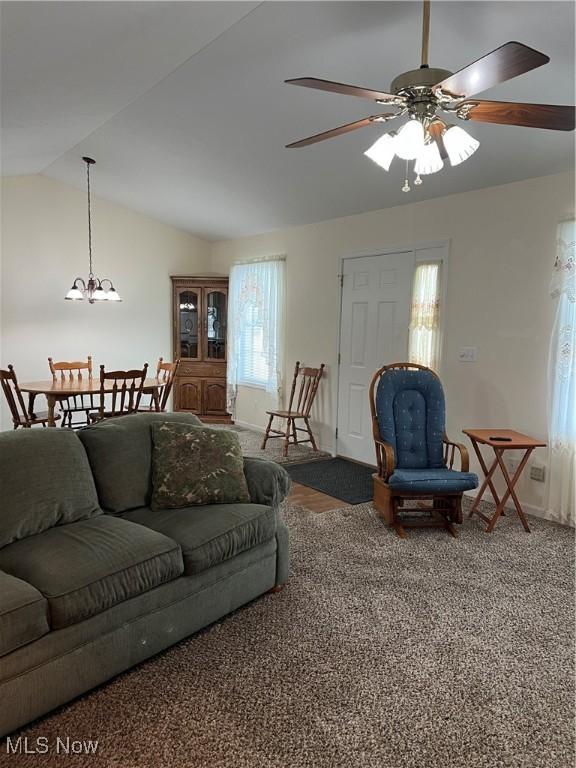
pixel 91 274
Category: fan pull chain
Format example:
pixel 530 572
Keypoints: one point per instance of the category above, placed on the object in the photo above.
pixel 406 187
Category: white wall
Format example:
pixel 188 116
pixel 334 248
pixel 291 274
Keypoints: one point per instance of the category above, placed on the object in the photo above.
pixel 502 243
pixel 501 254
pixel 44 247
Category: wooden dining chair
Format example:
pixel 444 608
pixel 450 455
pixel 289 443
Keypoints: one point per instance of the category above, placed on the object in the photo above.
pixel 72 404
pixel 165 373
pixel 124 393
pixel 21 417
pixel 309 381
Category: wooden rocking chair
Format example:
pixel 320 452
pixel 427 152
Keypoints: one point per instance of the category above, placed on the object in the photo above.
pixel 415 458
pixel 309 381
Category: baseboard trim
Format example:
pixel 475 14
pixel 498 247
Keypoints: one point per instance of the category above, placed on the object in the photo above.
pixel 530 509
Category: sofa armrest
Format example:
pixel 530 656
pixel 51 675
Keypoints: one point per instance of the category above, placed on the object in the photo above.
pixel 268 482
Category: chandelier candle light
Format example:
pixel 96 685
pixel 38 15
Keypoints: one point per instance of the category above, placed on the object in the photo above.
pixel 93 289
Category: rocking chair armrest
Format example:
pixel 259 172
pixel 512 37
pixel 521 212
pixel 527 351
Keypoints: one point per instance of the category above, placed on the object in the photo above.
pixel 386 458
pixel 464 456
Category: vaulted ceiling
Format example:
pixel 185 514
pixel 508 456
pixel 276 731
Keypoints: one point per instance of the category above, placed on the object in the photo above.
pixel 183 104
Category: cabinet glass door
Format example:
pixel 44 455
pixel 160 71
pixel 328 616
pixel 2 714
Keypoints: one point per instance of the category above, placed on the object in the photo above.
pixel 216 310
pixel 188 314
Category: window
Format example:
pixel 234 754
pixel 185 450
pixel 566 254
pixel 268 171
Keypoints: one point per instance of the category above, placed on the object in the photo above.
pixel 425 336
pixel 256 327
pixel 253 368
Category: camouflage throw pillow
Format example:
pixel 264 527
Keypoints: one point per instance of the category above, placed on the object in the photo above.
pixel 196 465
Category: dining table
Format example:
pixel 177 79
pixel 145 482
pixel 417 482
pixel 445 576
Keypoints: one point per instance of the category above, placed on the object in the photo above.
pixel 61 389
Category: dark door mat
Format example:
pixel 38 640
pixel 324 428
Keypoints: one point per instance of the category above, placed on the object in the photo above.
pixel 339 478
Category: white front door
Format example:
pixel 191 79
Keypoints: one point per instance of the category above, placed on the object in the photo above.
pixel 376 298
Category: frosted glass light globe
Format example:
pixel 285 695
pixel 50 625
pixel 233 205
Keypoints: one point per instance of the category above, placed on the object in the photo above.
pixel 410 140
pixel 429 160
pixel 382 151
pixel 459 144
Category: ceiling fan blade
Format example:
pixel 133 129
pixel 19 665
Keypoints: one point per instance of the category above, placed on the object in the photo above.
pixel 436 129
pixel 347 90
pixel 550 116
pixel 341 130
pixel 508 61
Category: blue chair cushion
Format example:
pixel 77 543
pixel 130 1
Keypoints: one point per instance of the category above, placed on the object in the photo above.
pixel 411 416
pixel 432 480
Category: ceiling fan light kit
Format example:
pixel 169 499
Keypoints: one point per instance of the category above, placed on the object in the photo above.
pixel 421 93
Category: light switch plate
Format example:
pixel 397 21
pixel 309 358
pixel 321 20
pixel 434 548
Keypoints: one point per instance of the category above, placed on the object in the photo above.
pixel 468 354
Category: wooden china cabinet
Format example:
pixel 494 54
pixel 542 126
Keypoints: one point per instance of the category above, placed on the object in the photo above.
pixel 200 307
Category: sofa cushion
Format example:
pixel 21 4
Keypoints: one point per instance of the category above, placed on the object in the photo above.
pixel 193 465
pixel 120 454
pixel 432 480
pixel 86 567
pixel 210 534
pixel 23 613
pixel 45 480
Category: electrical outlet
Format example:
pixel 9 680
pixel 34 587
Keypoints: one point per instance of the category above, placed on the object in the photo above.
pixel 538 472
pixel 468 354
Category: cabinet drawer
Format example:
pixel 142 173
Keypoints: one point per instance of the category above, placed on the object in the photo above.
pixel 201 370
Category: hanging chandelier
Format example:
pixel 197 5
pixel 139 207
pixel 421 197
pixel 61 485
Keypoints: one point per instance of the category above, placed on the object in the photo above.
pixel 92 289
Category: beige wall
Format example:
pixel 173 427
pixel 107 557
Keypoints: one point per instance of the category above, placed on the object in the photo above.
pixel 501 253
pixel 44 247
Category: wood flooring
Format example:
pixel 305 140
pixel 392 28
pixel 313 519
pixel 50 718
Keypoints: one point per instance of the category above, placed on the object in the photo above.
pixel 313 500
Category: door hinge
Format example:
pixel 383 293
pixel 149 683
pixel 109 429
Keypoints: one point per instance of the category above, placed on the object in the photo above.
pixel 336 433
pixel 339 358
pixel 341 278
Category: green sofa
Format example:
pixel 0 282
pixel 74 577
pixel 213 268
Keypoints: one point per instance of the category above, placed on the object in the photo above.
pixel 92 581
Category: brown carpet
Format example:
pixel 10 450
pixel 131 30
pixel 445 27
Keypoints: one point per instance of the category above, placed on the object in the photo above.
pixel 379 653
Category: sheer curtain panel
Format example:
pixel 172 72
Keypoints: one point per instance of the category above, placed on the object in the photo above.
pixel 562 381
pixel 256 328
pixel 425 336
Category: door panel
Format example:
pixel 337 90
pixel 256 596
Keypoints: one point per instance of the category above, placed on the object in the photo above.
pixel 188 395
pixel 376 298
pixel 214 396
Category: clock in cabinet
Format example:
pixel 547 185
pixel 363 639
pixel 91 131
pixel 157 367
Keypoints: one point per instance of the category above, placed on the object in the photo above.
pixel 200 309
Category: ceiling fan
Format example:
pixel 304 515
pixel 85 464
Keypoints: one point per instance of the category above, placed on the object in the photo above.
pixel 423 93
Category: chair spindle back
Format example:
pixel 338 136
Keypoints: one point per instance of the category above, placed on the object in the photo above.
pixel 125 393
pixel 309 382
pixel 14 397
pixel 71 367
pixel 166 372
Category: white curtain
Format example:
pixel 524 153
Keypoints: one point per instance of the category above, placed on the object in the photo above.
pixel 562 381
pixel 256 318
pixel 424 343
